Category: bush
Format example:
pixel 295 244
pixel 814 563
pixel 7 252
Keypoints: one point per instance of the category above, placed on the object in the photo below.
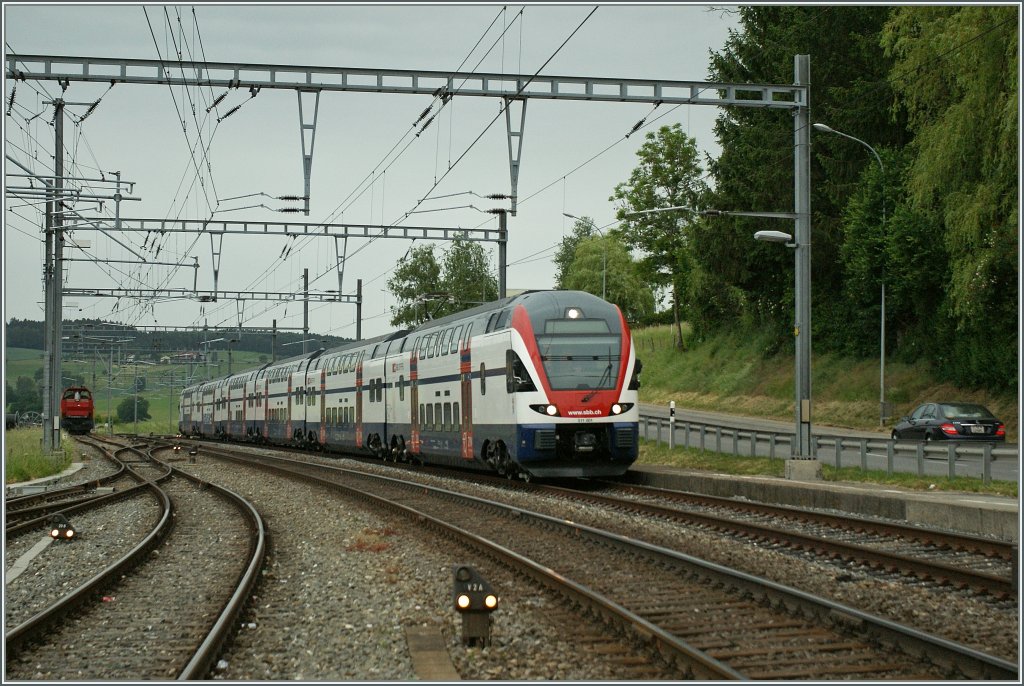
pixel 126 409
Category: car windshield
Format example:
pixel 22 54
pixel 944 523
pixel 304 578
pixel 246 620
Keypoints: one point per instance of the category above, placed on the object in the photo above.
pixel 965 411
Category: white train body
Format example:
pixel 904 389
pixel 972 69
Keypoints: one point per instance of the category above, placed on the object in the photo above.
pixel 541 384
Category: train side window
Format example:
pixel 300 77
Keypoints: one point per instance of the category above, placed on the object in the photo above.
pixel 437 417
pixel 490 322
pixel 447 416
pixel 483 379
pixel 430 417
pixel 456 417
pixel 446 342
pixel 503 319
pixel 456 341
pixel 401 388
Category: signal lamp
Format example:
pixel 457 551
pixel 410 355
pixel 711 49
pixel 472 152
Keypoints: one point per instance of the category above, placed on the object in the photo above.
pixel 61 528
pixel 475 600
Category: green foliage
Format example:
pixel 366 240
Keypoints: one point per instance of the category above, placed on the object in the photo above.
pixel 604 267
pixel 26 396
pixel 669 174
pixel 962 106
pixel 132 408
pixel 428 289
pixel 582 229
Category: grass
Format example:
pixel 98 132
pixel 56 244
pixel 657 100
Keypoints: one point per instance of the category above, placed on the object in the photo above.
pixel 24 458
pixel 682 458
pixel 731 373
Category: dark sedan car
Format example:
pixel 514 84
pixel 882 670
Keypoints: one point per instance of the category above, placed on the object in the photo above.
pixel 950 421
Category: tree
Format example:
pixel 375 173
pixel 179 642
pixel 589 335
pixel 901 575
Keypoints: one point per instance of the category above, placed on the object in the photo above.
pixel 467 276
pixel 754 172
pixel 669 175
pixel 604 264
pixel 582 228
pixel 956 72
pixel 427 289
pixel 126 409
pixel 418 275
pixel 28 397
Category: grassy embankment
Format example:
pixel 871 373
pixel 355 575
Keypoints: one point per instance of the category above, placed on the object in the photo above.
pixel 729 374
pixel 24 459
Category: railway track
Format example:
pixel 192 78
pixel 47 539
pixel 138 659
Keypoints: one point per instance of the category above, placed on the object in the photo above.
pixel 986 566
pixel 707 620
pixel 207 543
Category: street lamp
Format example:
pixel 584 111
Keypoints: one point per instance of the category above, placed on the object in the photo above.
pixel 604 255
pixel 881 374
pixel 802 450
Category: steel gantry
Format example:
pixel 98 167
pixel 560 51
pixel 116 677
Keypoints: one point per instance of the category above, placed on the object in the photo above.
pixel 511 88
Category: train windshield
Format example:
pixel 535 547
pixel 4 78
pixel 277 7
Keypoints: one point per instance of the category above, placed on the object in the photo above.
pixel 580 354
pixel 77 394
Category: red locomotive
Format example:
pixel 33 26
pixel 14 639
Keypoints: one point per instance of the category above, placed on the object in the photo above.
pixel 76 408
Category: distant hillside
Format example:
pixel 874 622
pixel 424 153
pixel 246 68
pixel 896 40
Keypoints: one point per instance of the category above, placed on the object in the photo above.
pixel 24 333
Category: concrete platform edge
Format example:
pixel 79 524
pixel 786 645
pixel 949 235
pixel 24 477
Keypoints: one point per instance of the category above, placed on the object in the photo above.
pixel 982 515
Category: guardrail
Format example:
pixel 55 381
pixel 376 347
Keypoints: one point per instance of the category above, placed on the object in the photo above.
pixel 962 459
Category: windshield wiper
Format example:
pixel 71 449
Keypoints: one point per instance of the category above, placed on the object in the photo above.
pixel 607 375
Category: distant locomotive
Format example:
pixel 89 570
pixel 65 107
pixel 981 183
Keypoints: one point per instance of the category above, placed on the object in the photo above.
pixel 76 410
pixel 539 384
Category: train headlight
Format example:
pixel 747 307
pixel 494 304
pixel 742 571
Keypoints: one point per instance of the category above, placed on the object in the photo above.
pixel 619 408
pixel 573 313
pixel 549 410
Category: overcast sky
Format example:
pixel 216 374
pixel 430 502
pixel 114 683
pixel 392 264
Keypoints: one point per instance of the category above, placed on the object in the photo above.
pixel 136 130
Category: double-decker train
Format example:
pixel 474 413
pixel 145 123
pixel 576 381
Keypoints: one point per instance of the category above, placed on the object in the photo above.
pixel 541 384
pixel 76 408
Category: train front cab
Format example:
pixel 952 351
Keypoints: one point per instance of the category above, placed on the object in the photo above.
pixel 572 375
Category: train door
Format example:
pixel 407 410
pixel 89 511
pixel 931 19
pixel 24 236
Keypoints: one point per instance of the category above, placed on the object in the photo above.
pixel 414 399
pixel 323 406
pixel 466 388
pixel 359 403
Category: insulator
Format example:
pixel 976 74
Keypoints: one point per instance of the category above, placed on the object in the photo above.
pixel 290 209
pixel 217 101
pixel 10 101
pixel 291 197
pixel 230 112
pixel 635 127
pixel 424 127
pixel 498 196
pixel 423 114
